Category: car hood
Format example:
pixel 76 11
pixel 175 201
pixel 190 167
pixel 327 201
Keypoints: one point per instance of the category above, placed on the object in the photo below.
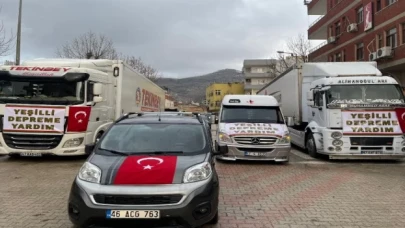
pixel 144 169
pixel 232 129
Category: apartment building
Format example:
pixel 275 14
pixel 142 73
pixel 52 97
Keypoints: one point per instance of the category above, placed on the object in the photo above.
pixel 360 30
pixel 258 73
pixel 215 92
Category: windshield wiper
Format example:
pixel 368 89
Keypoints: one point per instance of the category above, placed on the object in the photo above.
pixel 167 152
pixel 115 152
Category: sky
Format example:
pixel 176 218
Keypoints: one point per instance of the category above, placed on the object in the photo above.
pixel 180 38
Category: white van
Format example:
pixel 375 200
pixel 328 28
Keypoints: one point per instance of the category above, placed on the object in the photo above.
pixel 253 128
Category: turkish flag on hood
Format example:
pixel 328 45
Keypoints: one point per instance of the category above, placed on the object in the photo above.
pixel 146 170
pixel 78 118
pixel 401 118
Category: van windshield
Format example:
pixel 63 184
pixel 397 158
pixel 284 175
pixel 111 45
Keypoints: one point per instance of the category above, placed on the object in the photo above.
pixel 249 114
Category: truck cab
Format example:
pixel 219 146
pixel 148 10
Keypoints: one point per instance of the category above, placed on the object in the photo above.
pixel 253 128
pixel 354 117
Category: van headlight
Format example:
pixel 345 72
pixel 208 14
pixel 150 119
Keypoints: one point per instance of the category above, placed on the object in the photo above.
pixel 73 142
pixel 336 135
pixel 286 139
pixel 337 142
pixel 224 137
pixel 198 172
pixel 90 173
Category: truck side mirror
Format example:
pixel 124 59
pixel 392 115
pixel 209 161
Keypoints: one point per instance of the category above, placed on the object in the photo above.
pixel 97 99
pixel 97 89
pixel 290 121
pixel 310 95
pixel 310 103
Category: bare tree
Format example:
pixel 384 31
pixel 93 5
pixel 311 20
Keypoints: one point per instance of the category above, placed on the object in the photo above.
pixel 6 40
pixel 136 62
pixel 299 47
pixel 88 46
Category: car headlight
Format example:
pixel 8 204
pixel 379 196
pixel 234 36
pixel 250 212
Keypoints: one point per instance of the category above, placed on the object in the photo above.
pixel 224 137
pixel 90 173
pixel 337 142
pixel 73 142
pixel 336 135
pixel 198 172
pixel 285 139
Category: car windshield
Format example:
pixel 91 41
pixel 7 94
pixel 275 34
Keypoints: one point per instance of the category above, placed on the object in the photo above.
pixel 249 114
pixel 150 138
pixel 31 91
pixel 357 94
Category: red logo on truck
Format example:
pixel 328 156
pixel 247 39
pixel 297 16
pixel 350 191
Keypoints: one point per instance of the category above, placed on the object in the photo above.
pixel 401 118
pixel 78 118
pixel 150 101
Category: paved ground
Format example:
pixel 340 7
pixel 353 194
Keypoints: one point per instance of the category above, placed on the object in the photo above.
pixel 303 193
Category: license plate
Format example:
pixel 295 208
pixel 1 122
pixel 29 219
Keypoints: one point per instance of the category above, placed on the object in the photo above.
pixel 133 214
pixel 255 154
pixel 28 154
pixel 371 152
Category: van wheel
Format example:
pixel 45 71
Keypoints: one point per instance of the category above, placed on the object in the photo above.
pixel 311 146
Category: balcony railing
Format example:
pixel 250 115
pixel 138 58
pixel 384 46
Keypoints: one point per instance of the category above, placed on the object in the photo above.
pixel 318 46
pixel 316 21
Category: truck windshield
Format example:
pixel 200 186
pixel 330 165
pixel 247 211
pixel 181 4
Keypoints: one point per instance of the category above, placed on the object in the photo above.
pixel 363 94
pixel 30 91
pixel 249 114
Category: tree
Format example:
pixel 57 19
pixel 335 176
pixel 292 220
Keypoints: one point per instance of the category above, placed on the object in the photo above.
pixel 98 46
pixel 87 46
pixel 299 47
pixel 6 40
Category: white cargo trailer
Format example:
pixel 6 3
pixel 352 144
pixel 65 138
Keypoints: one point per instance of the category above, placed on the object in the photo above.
pixel 56 106
pixel 347 110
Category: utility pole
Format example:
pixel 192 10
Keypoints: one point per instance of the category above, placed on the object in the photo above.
pixel 18 46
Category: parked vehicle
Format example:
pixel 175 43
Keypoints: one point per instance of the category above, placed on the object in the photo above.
pixel 253 128
pixel 56 106
pixel 346 110
pixel 151 169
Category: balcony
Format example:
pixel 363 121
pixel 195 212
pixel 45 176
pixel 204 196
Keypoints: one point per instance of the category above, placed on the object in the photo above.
pixel 316 7
pixel 258 75
pixel 249 86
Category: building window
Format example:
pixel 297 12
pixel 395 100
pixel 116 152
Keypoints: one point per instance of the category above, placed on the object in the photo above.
pixel 217 103
pixel 338 57
pixel 217 92
pixel 380 41
pixel 248 80
pixel 359 15
pixel 344 55
pixel 403 33
pixel 360 52
pixel 378 6
pixel 337 29
pixel 389 2
pixel 392 38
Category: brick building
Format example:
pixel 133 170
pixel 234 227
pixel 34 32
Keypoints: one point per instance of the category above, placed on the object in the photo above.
pixel 360 30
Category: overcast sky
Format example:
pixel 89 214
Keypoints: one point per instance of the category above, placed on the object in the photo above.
pixel 180 38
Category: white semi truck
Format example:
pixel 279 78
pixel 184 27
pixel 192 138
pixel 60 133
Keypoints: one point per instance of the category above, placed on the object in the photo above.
pixel 346 110
pixel 56 106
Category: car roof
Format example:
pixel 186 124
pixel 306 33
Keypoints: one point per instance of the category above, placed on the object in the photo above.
pixel 164 119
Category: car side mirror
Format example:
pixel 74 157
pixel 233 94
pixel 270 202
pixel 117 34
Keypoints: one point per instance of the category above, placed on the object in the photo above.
pixel 88 149
pixel 221 150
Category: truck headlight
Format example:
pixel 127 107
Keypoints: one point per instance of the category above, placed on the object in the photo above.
pixel 336 135
pixel 90 173
pixel 285 139
pixel 337 142
pixel 224 137
pixel 73 142
pixel 198 172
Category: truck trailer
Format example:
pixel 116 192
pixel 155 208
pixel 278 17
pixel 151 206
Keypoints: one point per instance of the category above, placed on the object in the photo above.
pixel 57 106
pixel 345 110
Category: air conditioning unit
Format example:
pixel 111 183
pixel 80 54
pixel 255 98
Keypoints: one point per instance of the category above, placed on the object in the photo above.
pixel 352 28
pixel 372 56
pixel 384 52
pixel 332 40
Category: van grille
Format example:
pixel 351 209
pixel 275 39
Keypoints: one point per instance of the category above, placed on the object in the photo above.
pixel 255 140
pixel 32 142
pixel 137 199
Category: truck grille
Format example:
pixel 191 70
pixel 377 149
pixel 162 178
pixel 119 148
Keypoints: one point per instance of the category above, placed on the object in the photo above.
pixel 255 140
pixel 32 142
pixel 371 141
pixel 137 199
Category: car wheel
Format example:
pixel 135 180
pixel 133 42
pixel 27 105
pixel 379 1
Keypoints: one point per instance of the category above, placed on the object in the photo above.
pixel 311 146
pixel 215 219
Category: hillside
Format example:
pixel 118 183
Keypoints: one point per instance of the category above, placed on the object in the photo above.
pixel 193 88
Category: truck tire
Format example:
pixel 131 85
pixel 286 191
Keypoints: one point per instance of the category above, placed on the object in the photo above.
pixel 311 146
pixel 98 136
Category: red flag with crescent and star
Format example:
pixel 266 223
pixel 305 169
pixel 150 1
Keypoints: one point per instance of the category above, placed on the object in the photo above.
pixel 401 118
pixel 146 170
pixel 78 118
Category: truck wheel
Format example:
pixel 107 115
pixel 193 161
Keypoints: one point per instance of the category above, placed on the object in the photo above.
pixel 311 146
pixel 98 136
